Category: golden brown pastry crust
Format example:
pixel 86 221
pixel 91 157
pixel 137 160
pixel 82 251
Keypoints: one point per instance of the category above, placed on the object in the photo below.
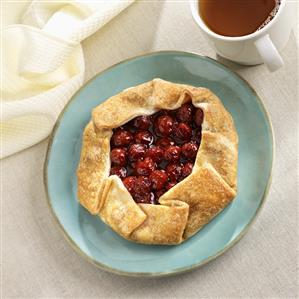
pixel 190 204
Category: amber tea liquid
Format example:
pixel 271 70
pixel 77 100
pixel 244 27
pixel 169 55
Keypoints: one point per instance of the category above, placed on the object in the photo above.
pixel 237 17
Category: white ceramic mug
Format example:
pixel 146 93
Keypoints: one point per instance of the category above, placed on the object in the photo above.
pixel 261 46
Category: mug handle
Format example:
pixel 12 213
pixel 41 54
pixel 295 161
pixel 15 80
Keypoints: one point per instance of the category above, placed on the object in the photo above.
pixel 269 53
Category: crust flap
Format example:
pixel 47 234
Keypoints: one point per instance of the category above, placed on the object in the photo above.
pixel 164 224
pixel 205 192
pixel 119 210
pixel 219 151
pixel 94 166
pixel 121 108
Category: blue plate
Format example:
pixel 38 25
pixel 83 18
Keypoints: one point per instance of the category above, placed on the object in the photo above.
pixel 96 241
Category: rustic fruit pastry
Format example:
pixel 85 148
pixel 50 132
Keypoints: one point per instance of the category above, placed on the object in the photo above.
pixel 158 161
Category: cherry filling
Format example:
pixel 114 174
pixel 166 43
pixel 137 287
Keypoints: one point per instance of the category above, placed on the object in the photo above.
pixel 151 154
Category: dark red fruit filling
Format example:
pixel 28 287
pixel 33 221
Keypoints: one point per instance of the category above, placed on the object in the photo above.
pixel 182 133
pixel 189 150
pixel 118 156
pixel 187 169
pixel 164 142
pixel 121 138
pixel 145 167
pixel 151 154
pixel 198 117
pixel 172 153
pixel 156 153
pixel 137 151
pixel 164 125
pixel 185 113
pixel 174 171
pixel 119 171
pixel 142 122
pixel 158 179
pixel 129 183
pixel 144 137
pixel 169 185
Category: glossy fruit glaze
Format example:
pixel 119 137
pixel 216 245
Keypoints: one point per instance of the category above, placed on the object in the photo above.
pixel 151 154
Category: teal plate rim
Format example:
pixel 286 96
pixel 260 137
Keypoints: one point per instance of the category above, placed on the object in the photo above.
pixel 179 270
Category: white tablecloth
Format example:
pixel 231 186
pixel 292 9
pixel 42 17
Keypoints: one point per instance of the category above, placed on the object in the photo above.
pixel 38 263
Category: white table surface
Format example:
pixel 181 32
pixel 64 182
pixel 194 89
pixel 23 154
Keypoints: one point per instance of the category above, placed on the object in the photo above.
pixel 38 263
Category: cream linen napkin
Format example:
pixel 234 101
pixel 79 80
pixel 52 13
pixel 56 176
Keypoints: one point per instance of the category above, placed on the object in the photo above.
pixel 43 65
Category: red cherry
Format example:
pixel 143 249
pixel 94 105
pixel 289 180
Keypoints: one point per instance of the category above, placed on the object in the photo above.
pixel 196 135
pixel 129 183
pixel 142 122
pixel 164 142
pixel 198 117
pixel 172 153
pixel 119 171
pixel 187 169
pixel 160 113
pixel 158 178
pixel 144 137
pixel 145 167
pixel 164 125
pixel 174 171
pixel 136 151
pixel 189 150
pixel 128 127
pixel 169 185
pixel 183 132
pixel 148 198
pixel 122 138
pixel 184 113
pixel 118 156
pixel 155 153
pixel 142 185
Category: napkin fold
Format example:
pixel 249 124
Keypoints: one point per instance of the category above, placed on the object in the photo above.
pixel 43 65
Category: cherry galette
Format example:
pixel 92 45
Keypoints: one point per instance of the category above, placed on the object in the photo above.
pixel 158 161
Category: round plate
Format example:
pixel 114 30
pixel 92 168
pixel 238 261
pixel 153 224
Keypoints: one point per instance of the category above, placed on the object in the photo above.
pixel 96 241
